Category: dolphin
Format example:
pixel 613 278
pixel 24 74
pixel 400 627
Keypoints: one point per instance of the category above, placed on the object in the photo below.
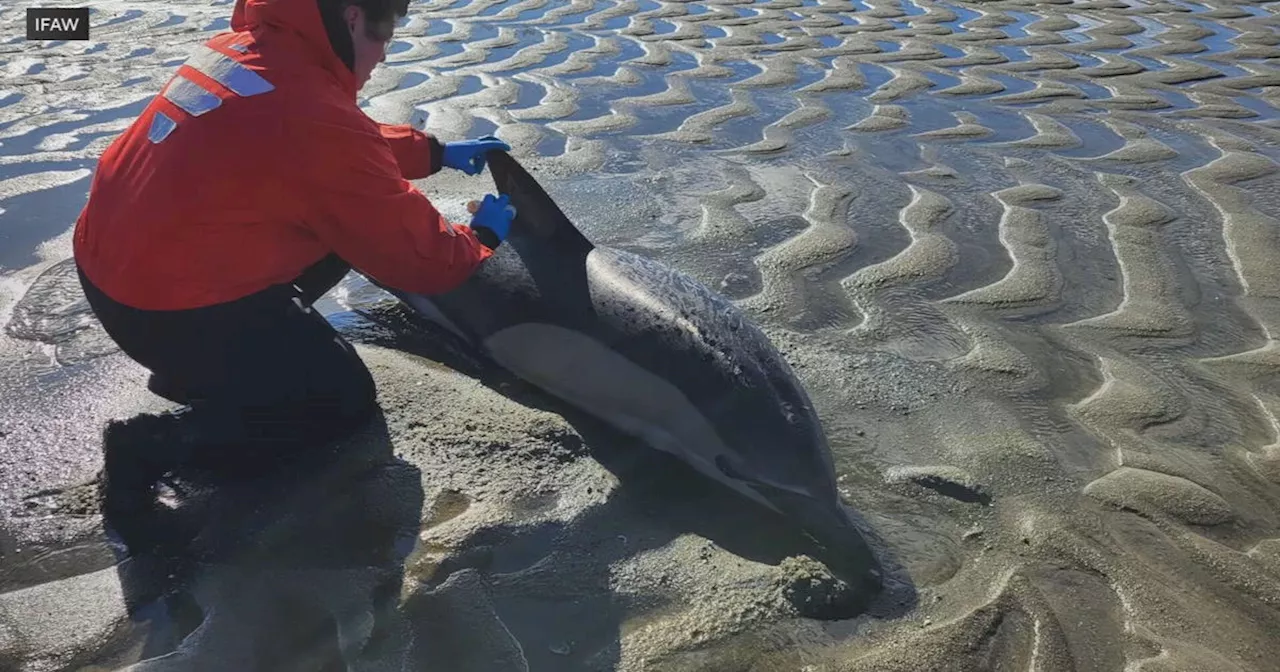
pixel 651 352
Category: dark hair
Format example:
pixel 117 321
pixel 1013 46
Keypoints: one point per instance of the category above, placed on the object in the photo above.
pixel 377 12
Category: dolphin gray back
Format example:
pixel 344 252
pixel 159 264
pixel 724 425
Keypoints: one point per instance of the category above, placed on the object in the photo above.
pixel 663 321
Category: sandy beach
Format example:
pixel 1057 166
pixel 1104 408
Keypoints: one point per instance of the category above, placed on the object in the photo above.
pixel 1022 255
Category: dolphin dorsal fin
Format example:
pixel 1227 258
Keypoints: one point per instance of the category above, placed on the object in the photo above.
pixel 537 215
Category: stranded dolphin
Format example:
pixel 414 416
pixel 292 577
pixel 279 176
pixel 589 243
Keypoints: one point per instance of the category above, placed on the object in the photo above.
pixel 653 353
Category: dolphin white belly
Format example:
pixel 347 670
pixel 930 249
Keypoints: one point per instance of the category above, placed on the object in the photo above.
pixel 584 372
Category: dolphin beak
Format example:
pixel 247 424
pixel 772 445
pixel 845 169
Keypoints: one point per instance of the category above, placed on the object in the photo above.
pixel 829 525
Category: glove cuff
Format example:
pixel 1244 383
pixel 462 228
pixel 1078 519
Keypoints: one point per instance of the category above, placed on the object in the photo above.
pixel 486 236
pixel 436 153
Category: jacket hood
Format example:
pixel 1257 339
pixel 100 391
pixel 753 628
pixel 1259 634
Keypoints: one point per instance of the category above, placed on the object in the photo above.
pixel 304 20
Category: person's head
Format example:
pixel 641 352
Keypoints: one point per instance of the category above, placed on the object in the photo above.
pixel 360 31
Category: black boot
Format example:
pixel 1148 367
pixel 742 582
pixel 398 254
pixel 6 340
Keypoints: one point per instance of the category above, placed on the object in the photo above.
pixel 137 454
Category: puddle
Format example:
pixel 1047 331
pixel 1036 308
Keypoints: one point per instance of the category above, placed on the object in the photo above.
pixel 927 114
pixel 470 84
pixel 741 70
pixel 597 100
pixel 713 31
pixel 497 7
pixel 875 75
pixel 1220 40
pixel 606 67
pixel 591 103
pixel 1257 105
pixel 661 27
pixel 1005 126
pixel 528 95
pixel 1150 64
pixel 552 143
pixel 1093 91
pixel 949 51
pixel 709 94
pixel 847 108
pixel 32 218
pixel 942 80
pixel 218 25
pixel 772 38
pixel 1226 69
pixel 482 31
pixel 770 107
pixel 1012 85
pixel 576 42
pixel 1077 34
pixel 577 17
pixel 1084 60
pixel 1178 100
pixel 411 80
pixel 172 21
pixel 27 142
pixel 911 8
pixel 481 127
pixel 1095 137
pixel 398 46
pixel 1147 37
pixel 1019 27
pixel 830 41
pixel 1194 7
pixel 888 47
pixel 1013 54
pixel 963 16
pixel 440 27
pixel 448 49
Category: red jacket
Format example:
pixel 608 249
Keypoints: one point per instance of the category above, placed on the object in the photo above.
pixel 255 162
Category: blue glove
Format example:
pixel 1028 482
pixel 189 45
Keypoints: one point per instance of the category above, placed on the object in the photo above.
pixel 495 214
pixel 469 155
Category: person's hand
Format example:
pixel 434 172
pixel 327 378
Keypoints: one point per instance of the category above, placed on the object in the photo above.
pixel 469 155
pixel 494 213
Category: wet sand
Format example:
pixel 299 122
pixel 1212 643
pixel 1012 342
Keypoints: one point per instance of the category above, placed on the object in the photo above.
pixel 1021 255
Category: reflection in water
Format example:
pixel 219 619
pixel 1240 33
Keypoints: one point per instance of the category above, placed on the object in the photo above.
pixel 292 564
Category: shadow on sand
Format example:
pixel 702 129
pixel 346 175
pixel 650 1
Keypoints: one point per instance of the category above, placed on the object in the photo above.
pixel 296 567
pixel 519 564
pixel 301 567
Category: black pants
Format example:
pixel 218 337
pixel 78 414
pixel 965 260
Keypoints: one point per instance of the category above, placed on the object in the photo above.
pixel 263 374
